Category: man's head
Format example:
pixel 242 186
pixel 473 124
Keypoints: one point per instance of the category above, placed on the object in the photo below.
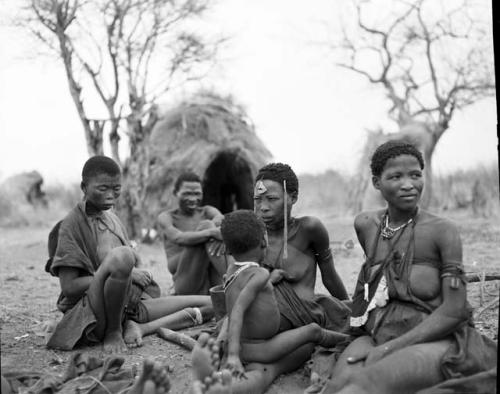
pixel 390 150
pixel 243 232
pixel 188 190
pixel 101 182
pixel 269 195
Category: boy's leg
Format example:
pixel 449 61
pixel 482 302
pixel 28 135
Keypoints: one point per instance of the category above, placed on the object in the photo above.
pixel 163 306
pixel 191 276
pixel 287 341
pixel 107 296
pixel 176 313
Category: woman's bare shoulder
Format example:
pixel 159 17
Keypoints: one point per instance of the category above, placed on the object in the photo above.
pixel 368 219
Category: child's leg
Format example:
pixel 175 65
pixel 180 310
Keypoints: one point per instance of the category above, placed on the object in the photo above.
pixel 107 295
pixel 287 341
pixel 260 376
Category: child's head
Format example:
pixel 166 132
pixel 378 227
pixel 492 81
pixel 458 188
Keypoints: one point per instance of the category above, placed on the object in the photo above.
pixel 243 232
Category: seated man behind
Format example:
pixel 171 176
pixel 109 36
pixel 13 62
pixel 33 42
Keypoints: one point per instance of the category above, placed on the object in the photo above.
pixel 192 239
pixel 101 288
pixel 296 258
pixel 254 316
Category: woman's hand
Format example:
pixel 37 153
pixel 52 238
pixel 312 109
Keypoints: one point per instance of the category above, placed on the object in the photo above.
pixel 370 356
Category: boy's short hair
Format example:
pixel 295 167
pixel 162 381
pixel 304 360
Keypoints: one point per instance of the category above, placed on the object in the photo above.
pixel 242 231
pixel 279 172
pixel 187 176
pixel 97 165
pixel 390 150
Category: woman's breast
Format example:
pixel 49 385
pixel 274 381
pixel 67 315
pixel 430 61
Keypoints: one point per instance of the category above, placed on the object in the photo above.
pixel 425 282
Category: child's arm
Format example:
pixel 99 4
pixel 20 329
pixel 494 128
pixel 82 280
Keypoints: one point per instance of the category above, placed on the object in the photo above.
pixel 255 284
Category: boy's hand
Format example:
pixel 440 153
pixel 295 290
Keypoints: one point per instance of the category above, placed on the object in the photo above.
pixel 277 275
pixel 142 278
pixel 234 365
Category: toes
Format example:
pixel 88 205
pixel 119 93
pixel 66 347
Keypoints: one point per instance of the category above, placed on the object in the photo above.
pixel 203 339
pixel 226 377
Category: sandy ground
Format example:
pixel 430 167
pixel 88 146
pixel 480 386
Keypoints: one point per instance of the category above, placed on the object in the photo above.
pixel 28 296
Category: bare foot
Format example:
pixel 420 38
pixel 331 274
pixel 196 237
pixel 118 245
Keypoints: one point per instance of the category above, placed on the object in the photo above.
pixel 217 383
pixel 113 343
pixel 205 357
pixel 132 334
pixel 153 379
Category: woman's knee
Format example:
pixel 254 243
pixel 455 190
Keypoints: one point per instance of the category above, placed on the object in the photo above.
pixel 120 261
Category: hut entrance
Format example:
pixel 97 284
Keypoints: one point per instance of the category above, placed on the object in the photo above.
pixel 227 183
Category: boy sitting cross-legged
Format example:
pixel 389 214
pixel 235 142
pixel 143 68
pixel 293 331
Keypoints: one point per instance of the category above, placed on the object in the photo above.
pixel 254 316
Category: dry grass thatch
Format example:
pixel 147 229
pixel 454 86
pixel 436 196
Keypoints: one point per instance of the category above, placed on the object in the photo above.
pixel 212 137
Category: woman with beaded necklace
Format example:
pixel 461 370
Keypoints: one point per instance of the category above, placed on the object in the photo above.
pixel 410 314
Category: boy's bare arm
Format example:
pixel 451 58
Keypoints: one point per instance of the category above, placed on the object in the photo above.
pixel 185 237
pixel 247 295
pixel 73 285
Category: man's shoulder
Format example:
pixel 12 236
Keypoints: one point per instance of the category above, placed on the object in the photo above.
pixel 168 213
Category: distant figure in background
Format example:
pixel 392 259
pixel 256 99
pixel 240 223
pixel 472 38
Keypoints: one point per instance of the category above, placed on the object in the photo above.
pixel 409 312
pixel 192 239
pixel 104 296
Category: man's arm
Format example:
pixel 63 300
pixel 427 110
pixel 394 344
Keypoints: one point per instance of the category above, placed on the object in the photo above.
pixel 185 237
pixel 255 284
pixel 214 215
pixel 320 242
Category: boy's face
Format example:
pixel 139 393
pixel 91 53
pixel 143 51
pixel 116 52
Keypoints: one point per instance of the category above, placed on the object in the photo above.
pixel 190 195
pixel 103 190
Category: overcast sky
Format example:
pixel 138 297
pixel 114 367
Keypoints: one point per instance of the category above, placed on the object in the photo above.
pixel 308 112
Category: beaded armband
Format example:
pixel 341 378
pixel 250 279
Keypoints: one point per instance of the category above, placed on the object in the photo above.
pixel 324 255
pixel 454 271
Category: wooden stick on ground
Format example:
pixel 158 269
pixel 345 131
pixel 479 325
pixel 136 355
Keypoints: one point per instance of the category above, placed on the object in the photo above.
pixel 176 337
pixel 476 277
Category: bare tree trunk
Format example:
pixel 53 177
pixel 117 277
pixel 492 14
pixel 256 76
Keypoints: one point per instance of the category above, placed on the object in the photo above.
pixel 136 172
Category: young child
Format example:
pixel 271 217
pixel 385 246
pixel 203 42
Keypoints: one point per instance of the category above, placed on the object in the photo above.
pixel 254 317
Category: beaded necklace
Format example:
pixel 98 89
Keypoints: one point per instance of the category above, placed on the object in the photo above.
pixel 387 231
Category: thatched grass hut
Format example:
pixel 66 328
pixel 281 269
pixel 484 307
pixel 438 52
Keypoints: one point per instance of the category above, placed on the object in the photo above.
pixel 212 137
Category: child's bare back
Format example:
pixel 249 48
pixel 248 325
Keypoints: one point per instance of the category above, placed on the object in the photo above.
pixel 262 318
